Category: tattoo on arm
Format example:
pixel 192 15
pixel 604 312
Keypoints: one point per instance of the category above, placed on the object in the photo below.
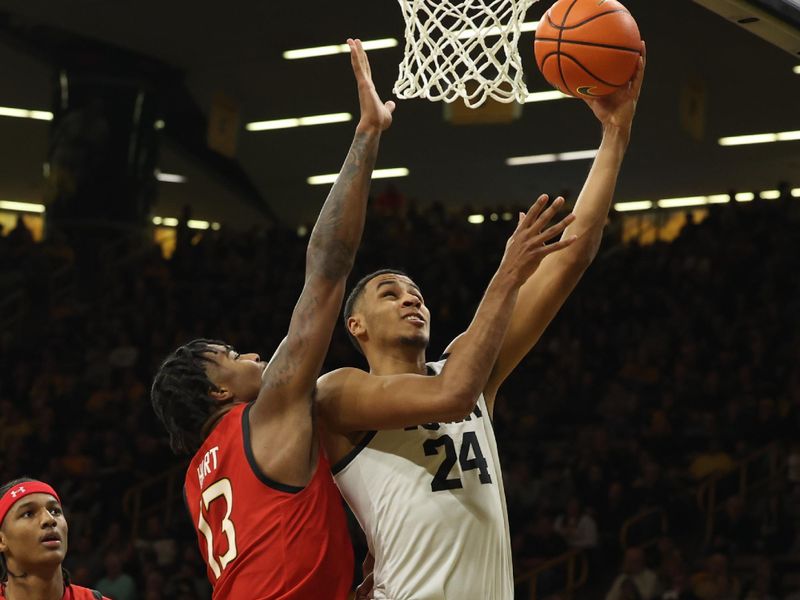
pixel 337 233
pixel 329 258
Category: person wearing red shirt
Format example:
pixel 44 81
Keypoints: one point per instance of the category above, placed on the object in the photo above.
pixel 269 519
pixel 33 544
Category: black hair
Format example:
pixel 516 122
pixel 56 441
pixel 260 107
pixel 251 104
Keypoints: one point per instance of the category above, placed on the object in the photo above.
pixel 3 568
pixel 181 394
pixel 356 293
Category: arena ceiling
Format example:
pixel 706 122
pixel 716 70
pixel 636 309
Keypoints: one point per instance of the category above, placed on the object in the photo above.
pixel 741 85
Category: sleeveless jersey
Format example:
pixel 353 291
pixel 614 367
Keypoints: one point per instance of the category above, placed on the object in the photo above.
pixel 263 540
pixel 71 592
pixel 430 500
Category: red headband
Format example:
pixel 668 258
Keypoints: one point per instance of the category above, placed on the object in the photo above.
pixel 19 491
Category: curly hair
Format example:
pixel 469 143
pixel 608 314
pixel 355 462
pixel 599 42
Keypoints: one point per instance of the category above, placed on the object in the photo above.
pixel 181 394
pixel 355 295
pixel 3 568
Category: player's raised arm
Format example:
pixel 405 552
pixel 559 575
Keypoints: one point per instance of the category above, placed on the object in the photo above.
pixel 352 400
pixel 292 372
pixel 543 294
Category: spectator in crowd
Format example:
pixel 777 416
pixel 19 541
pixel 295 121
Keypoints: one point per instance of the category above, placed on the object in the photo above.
pixel 577 526
pixel 116 584
pixel 713 461
pixel 715 582
pixel 634 573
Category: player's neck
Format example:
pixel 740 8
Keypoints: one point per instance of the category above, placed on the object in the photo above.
pixel 44 584
pixel 397 361
pixel 216 417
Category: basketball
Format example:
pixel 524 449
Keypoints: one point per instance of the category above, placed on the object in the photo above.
pixel 587 48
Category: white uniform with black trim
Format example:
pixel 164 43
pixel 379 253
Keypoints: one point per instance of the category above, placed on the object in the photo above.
pixel 431 502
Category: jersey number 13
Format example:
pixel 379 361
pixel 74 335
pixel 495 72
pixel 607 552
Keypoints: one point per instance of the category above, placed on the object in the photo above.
pixel 218 489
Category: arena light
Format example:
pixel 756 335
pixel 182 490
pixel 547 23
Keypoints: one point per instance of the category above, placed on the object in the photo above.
pixel 545 96
pixel 21 206
pixel 476 219
pixel 299 122
pixel 170 177
pixel 23 113
pixel 681 202
pixel 191 223
pixel 376 174
pixel 719 199
pixel 159 124
pixel 760 138
pixel 796 70
pixel 493 31
pixel 740 140
pixel 745 197
pixel 770 194
pixel 338 49
pixel 578 155
pixel 633 206
pixel 516 161
pixel 796 193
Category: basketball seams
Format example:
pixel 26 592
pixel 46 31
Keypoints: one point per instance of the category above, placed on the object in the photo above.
pixel 558 46
pixel 587 20
pixel 581 65
pixel 599 45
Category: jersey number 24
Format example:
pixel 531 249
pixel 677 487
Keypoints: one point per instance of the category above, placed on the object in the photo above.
pixel 469 443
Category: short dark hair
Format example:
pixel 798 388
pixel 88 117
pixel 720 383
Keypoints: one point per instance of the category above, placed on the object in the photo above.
pixel 181 394
pixel 356 293
pixel 3 568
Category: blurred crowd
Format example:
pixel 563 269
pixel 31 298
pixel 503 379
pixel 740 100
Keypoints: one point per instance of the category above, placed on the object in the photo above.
pixel 670 363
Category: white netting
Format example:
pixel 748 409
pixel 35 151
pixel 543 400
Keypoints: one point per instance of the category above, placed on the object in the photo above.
pixel 462 49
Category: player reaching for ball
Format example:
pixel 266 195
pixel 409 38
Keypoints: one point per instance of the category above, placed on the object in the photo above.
pixel 269 520
pixel 414 452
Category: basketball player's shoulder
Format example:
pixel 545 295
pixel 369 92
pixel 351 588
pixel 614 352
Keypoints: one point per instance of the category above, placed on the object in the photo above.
pixel 330 384
pixel 82 593
pixel 435 366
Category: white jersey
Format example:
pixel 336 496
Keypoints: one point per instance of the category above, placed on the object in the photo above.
pixel 430 500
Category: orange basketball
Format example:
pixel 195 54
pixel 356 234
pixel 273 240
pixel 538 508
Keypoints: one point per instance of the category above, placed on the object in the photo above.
pixel 587 47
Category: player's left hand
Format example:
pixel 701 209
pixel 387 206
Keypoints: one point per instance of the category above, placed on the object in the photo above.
pixel 617 109
pixel 376 115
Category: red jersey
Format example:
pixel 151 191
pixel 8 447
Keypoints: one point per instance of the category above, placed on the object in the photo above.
pixel 71 592
pixel 263 540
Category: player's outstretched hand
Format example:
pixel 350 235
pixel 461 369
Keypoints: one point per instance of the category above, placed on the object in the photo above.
pixel 526 247
pixel 617 109
pixel 375 114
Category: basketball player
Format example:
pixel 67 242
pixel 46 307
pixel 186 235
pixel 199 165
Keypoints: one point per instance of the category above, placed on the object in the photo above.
pixel 269 520
pixel 424 482
pixel 33 544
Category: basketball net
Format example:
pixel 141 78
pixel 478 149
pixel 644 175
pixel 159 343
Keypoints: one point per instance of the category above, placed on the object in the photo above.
pixel 462 49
